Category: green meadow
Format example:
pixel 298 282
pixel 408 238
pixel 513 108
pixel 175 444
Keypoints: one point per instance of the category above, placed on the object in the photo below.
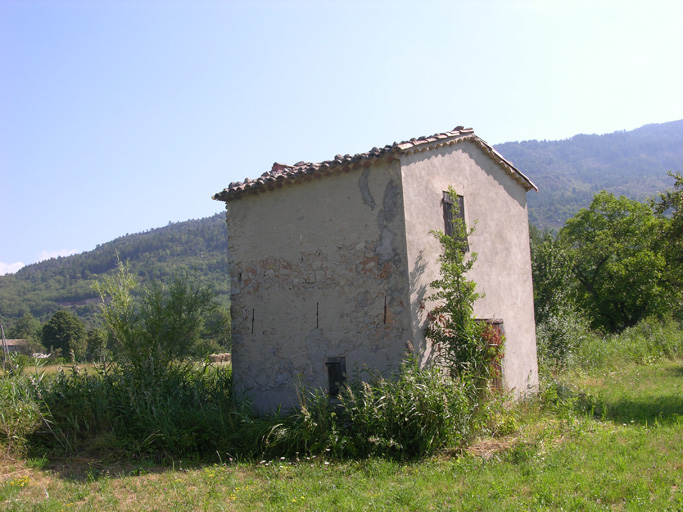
pixel 610 440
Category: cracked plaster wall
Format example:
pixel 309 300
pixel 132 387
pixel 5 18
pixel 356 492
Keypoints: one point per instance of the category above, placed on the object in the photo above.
pixel 318 270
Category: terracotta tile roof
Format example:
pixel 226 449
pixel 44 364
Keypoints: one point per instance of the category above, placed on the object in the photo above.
pixel 281 174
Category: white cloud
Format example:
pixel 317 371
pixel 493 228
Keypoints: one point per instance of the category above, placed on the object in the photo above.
pixel 10 268
pixel 46 255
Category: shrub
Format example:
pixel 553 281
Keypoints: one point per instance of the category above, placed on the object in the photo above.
pixel 148 400
pixel 97 341
pixel 558 337
pixel 162 328
pixel 413 413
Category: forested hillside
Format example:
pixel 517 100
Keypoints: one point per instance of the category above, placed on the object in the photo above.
pixel 198 247
pixel 569 172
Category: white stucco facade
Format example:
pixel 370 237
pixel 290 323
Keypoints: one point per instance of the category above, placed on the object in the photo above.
pixel 333 262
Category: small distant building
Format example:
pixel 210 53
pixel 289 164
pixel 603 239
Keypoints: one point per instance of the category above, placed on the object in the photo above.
pixel 330 263
pixel 16 346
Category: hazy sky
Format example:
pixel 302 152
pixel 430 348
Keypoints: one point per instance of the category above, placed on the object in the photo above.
pixel 120 116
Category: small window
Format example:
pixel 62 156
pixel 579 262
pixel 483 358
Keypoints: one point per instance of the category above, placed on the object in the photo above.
pixel 336 374
pixel 453 210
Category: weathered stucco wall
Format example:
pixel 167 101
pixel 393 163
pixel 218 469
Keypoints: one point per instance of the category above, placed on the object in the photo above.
pixel 318 270
pixel 497 204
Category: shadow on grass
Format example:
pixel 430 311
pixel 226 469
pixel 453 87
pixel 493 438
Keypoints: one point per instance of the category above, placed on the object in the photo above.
pixel 677 371
pixel 662 409
pixel 90 469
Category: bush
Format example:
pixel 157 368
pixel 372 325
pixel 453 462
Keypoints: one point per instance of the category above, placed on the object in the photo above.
pixel 149 401
pixel 561 333
pixel 413 413
pixel 162 327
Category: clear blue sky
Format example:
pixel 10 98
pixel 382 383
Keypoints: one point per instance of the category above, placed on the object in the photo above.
pixel 120 116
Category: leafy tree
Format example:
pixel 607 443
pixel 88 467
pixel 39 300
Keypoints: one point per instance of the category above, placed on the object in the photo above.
pixel 160 328
pixel 216 327
pixel 29 329
pixel 614 255
pixel 560 324
pixel 669 206
pixel 552 275
pixel 214 334
pixel 97 344
pixel 66 333
pixel 463 341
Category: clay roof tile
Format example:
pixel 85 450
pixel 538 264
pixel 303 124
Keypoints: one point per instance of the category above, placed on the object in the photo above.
pixel 282 172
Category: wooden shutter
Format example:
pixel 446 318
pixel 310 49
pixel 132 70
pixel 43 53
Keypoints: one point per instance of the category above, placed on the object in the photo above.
pixel 336 374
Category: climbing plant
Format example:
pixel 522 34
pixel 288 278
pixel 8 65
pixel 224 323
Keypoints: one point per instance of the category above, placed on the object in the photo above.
pixel 468 348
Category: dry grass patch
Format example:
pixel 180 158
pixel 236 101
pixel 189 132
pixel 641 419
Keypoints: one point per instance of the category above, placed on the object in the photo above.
pixel 487 448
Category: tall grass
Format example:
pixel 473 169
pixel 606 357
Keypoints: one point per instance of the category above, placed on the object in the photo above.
pixel 627 457
pixel 192 413
pixel 566 343
pixel 649 341
pixel 412 413
pixel 188 411
pixel 593 355
pixel 20 414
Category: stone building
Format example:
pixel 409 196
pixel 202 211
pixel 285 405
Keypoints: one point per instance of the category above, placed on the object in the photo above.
pixel 330 263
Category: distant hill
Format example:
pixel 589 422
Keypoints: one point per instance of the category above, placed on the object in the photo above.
pixel 198 247
pixel 569 172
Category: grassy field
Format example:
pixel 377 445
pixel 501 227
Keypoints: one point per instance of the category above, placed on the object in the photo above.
pixel 605 442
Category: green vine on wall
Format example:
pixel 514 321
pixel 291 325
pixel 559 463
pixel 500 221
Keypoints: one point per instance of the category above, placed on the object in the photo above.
pixel 467 347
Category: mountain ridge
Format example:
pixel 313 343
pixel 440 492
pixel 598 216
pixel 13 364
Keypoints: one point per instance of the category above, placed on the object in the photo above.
pixel 569 172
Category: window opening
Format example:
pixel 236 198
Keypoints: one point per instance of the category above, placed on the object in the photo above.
pixel 453 210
